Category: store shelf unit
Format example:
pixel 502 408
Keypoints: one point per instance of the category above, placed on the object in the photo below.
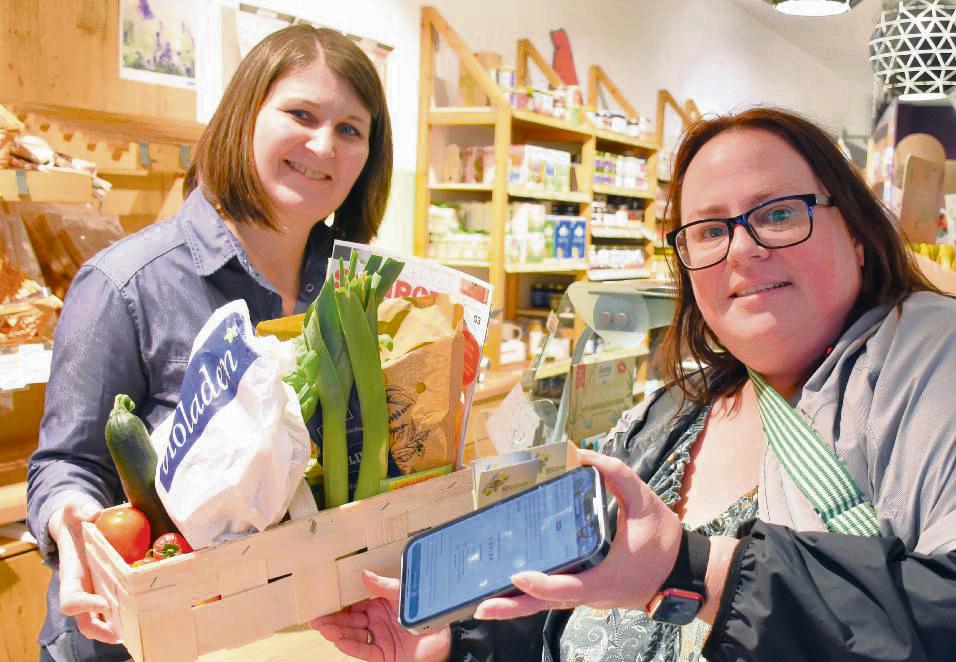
pixel 144 158
pixel 506 126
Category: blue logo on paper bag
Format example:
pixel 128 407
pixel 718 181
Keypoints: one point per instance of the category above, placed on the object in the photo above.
pixel 211 381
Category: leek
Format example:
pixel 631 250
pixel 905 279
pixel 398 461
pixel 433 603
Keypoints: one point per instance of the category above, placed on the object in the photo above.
pixel 370 384
pixel 329 361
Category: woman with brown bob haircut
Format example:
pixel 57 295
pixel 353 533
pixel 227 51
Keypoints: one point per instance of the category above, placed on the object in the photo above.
pixel 224 162
pixel 302 133
pixel 792 499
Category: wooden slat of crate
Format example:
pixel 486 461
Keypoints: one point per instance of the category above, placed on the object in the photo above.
pixel 384 561
pixel 172 631
pixel 388 530
pixel 316 591
pixel 245 617
pixel 241 577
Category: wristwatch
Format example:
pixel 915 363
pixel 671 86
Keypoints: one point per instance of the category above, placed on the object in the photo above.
pixel 682 594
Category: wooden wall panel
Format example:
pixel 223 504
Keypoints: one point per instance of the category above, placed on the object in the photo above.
pixel 67 53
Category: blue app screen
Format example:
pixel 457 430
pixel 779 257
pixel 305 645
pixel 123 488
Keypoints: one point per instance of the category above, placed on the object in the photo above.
pixel 543 529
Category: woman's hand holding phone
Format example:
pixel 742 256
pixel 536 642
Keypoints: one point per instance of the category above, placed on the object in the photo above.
pixel 369 630
pixel 641 556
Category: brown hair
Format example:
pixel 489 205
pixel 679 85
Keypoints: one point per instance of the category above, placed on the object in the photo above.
pixel 888 273
pixel 224 165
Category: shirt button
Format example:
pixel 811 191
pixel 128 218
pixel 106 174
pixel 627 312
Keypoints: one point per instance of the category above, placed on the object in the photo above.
pixel 309 287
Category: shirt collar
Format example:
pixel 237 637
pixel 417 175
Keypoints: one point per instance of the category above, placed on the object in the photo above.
pixel 211 243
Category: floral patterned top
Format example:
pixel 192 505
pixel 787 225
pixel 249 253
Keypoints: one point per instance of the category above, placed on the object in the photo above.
pixel 617 635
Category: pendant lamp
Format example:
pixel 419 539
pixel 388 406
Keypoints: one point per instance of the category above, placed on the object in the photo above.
pixel 913 49
pixel 813 7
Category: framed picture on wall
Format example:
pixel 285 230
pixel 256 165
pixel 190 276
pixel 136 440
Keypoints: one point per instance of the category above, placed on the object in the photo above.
pixel 158 41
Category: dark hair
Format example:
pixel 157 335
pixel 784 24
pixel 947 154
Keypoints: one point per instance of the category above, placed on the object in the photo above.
pixel 224 165
pixel 888 275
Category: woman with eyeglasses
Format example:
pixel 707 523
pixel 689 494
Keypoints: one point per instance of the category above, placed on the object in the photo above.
pixel 795 497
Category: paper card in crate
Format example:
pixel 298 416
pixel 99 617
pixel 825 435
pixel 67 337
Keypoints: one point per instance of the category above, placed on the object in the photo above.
pixel 232 452
pixel 502 475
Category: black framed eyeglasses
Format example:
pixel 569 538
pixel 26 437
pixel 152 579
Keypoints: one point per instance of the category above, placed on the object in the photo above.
pixel 776 223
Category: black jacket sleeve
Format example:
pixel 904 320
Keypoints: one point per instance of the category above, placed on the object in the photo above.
pixel 823 596
pixel 515 640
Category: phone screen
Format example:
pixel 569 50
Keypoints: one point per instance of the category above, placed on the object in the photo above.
pixel 548 527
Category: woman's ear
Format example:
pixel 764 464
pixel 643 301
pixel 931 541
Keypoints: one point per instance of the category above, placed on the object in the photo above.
pixel 858 249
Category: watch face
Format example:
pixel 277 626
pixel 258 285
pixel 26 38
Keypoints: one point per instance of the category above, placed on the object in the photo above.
pixel 677 607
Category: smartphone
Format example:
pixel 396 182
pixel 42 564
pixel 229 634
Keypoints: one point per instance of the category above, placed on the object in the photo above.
pixel 558 526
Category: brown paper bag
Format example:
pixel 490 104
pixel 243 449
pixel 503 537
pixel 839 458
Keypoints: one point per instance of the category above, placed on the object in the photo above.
pixel 423 375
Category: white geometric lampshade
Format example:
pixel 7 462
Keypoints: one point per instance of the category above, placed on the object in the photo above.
pixel 913 49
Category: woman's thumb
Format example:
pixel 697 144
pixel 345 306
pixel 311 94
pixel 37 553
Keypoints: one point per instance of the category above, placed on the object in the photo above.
pixel 382 587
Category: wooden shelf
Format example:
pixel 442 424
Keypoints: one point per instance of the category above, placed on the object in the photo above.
pixel 555 368
pixel 39 186
pixel 541 312
pixel 13 502
pixel 461 116
pixel 527 119
pixel 623 140
pixel 639 233
pixel 461 187
pixel 132 127
pixel 597 275
pixel 559 196
pixel 551 266
pixel 470 264
pixel 604 189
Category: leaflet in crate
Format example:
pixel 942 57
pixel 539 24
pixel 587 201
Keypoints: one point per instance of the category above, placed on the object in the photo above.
pixel 420 277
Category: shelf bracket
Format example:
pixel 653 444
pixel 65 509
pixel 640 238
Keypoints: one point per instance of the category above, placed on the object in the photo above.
pixel 144 159
pixel 527 50
pixel 23 190
pixel 597 77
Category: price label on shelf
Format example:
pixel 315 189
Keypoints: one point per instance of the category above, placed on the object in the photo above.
pixel 30 364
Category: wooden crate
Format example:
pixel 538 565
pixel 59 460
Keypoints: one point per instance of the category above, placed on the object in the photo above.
pixel 287 575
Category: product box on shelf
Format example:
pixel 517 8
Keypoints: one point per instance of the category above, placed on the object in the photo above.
pixel 563 237
pixel 579 232
pixel 539 168
pixel 478 164
pixel 244 590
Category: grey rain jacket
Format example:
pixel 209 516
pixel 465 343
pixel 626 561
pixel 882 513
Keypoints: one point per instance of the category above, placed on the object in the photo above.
pixel 885 399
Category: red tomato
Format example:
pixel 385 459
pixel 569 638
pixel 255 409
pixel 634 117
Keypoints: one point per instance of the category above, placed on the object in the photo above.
pixel 127 530
pixel 171 544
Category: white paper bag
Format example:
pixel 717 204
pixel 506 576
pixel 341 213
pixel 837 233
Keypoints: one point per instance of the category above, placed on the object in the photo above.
pixel 233 451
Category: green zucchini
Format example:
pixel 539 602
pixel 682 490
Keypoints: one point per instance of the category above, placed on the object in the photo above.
pixel 135 461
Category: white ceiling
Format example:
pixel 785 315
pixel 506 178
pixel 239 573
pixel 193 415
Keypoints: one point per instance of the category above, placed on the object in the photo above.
pixel 838 42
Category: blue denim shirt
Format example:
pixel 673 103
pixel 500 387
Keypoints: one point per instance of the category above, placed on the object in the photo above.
pixel 127 326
